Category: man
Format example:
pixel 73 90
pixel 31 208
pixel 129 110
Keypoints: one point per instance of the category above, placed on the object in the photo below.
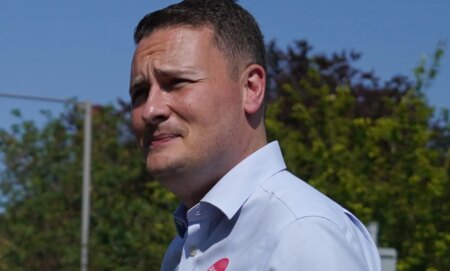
pixel 197 90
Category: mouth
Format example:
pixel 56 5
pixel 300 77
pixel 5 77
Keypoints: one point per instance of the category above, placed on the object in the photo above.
pixel 160 140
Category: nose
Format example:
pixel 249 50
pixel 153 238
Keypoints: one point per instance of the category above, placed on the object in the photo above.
pixel 156 108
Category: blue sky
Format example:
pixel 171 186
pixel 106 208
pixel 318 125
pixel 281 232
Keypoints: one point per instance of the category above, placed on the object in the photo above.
pixel 83 49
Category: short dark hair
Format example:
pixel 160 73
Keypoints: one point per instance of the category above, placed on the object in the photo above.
pixel 236 32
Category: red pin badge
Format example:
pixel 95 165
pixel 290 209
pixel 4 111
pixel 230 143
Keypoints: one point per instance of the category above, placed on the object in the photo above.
pixel 220 265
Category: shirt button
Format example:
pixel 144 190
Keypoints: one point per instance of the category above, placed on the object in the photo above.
pixel 193 251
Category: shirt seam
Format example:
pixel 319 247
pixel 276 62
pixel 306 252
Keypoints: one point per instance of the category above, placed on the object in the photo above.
pixel 298 219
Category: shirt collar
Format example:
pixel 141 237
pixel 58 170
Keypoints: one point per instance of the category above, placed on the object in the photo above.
pixel 179 216
pixel 233 189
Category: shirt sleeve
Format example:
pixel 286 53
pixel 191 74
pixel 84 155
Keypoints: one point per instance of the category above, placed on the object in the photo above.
pixel 317 244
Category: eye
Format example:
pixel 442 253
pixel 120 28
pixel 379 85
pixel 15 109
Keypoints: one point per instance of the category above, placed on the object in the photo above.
pixel 178 83
pixel 139 96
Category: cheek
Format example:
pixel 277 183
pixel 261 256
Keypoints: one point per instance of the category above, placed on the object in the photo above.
pixel 207 105
pixel 137 122
pixel 202 111
pixel 193 106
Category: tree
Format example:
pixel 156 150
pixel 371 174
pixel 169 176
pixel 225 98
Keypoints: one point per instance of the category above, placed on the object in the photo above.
pixel 375 148
pixel 40 225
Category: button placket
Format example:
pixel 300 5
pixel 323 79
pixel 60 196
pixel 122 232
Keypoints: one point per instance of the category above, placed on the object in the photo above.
pixel 193 251
pixel 197 229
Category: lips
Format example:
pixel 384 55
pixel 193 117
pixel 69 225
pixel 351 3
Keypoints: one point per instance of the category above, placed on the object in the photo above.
pixel 159 140
pixel 162 138
pixel 155 137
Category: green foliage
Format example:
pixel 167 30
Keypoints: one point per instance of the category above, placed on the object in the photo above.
pixel 391 166
pixel 424 75
pixel 379 149
pixel 40 227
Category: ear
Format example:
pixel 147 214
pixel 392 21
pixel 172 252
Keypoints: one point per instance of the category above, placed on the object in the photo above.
pixel 254 86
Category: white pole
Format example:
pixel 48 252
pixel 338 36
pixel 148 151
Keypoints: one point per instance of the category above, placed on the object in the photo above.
pixel 87 142
pixel 85 214
pixel 372 227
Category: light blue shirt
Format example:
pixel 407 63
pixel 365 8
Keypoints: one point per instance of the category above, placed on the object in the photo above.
pixel 261 217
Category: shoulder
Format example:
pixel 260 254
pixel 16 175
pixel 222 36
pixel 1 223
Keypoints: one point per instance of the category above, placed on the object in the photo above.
pixel 301 199
pixel 314 229
pixel 315 243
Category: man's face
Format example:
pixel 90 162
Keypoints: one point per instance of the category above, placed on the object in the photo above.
pixel 187 110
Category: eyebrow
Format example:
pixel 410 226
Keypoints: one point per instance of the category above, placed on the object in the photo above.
pixel 140 81
pixel 137 83
pixel 175 72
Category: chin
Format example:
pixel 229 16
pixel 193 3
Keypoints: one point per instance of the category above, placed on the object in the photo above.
pixel 165 169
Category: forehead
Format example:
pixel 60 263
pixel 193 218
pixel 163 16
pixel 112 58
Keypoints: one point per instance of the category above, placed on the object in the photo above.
pixel 169 44
pixel 179 50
